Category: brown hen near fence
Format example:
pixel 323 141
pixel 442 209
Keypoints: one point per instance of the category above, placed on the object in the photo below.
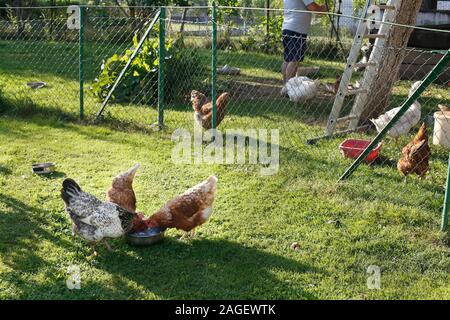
pixel 416 155
pixel 203 108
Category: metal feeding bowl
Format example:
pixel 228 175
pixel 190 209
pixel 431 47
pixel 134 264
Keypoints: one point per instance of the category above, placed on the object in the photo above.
pixel 43 168
pixel 145 238
pixel 36 84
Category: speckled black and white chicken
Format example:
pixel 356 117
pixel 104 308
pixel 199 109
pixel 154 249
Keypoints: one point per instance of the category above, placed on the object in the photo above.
pixel 95 220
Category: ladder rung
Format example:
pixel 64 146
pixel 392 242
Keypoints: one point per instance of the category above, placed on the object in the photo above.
pixel 347 118
pixel 356 91
pixel 375 36
pixel 386 7
pixel 337 134
pixel 364 64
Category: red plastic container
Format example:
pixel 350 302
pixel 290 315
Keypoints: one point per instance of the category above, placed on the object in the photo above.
pixel 352 148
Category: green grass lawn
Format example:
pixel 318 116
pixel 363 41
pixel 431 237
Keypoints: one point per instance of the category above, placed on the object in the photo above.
pixel 244 250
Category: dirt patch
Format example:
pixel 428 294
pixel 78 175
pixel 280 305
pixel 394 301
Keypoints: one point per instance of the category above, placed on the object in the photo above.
pixel 247 90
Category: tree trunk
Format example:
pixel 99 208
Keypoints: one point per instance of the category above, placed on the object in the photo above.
pixel 131 5
pixel 183 18
pixel 52 19
pixel 390 59
pixel 19 17
pixel 122 9
pixel 267 18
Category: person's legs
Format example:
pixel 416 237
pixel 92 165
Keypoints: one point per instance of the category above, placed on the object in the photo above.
pixel 291 70
pixel 283 91
pixel 283 71
pixel 286 57
pixel 294 48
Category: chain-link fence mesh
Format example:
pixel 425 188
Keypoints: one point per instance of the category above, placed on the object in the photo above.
pixel 191 31
pixel 40 73
pixel 302 111
pixel 37 49
pixel 110 39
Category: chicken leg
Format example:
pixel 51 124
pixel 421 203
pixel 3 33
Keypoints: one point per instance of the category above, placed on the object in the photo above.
pixel 108 247
pixel 74 230
pixel 94 249
pixel 188 235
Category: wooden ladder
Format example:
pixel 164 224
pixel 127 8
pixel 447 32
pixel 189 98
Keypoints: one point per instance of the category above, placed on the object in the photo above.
pixel 371 68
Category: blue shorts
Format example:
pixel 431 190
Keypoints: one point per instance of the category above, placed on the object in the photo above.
pixel 294 44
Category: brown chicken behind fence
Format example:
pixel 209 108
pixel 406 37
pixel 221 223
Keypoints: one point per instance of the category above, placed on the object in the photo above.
pixel 416 155
pixel 203 108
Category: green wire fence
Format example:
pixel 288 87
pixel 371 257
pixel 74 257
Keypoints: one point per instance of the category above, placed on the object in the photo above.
pixel 135 70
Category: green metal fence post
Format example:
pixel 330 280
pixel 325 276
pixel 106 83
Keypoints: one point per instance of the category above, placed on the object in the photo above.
pixel 444 223
pixel 81 61
pixel 214 64
pixel 405 106
pixel 162 56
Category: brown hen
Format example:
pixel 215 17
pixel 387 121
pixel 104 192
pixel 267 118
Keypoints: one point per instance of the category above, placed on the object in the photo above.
pixel 203 108
pixel 121 192
pixel 416 155
pixel 188 210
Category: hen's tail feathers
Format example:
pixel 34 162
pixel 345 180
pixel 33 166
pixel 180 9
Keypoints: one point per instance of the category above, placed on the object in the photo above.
pixel 212 182
pixel 414 86
pixel 212 179
pixel 223 97
pixel 69 190
pixel 131 172
pixel 222 101
pixel 208 185
pixel 378 124
pixel 422 133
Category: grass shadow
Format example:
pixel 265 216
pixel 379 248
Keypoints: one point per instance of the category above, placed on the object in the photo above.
pixel 383 161
pixel 199 269
pixel 5 170
pixel 207 269
pixel 53 175
pixel 23 228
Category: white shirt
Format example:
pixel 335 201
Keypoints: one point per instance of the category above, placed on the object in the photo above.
pixel 297 21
